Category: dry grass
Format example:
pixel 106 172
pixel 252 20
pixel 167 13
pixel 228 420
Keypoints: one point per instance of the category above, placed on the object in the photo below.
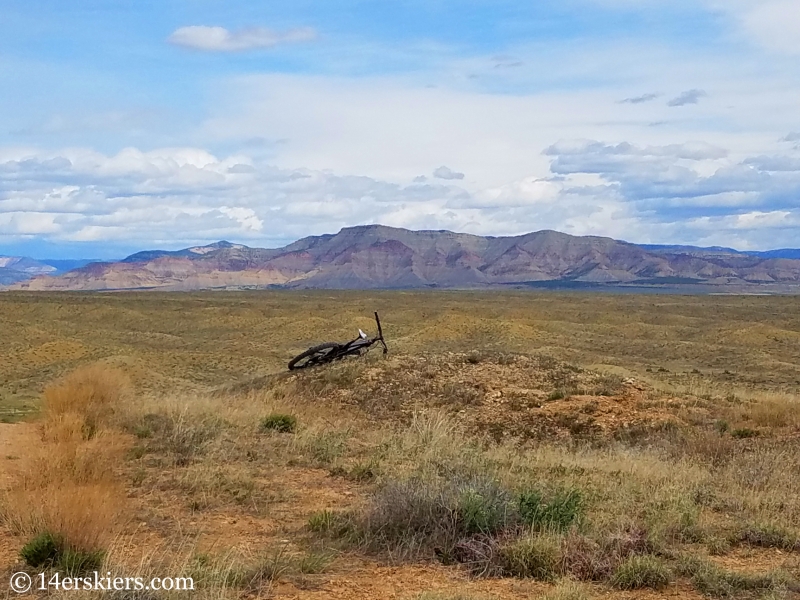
pixel 426 456
pixel 69 486
pixel 93 392
pixel 84 516
pixel 568 590
pixel 170 342
pixel 773 411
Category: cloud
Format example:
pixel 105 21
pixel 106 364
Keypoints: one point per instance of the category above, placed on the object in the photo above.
pixel 688 150
pixel 447 173
pixel 773 24
pixel 793 138
pixel 506 62
pixel 692 192
pixel 219 39
pixel 695 193
pixel 775 163
pixel 687 97
pixel 640 99
pixel 246 217
pixel 185 195
pixel 650 187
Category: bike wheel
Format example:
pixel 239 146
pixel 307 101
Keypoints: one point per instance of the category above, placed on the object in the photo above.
pixel 312 356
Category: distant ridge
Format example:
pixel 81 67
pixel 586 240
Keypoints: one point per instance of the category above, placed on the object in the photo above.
pixel 148 255
pixel 20 268
pixel 380 257
pixel 790 253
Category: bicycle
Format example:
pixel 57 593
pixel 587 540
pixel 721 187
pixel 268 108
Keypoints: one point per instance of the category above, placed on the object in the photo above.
pixel 331 351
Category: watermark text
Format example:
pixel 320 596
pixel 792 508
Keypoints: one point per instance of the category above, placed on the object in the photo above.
pixel 23 583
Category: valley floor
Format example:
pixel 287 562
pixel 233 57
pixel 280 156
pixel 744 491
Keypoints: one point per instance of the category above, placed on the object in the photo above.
pixel 522 446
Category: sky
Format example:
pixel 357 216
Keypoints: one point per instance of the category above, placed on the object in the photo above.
pixel 141 124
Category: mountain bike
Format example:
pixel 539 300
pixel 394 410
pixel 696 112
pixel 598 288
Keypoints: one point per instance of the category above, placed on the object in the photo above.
pixel 331 351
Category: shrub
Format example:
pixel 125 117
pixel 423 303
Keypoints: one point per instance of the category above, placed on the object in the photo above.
pixel 716 582
pixel 629 541
pixel 608 385
pixel 79 562
pixel 363 471
pixel 327 522
pixel 718 546
pixel 280 423
pixel 327 446
pixel 80 517
pixel 559 513
pixel 49 550
pixel 686 528
pixel 474 357
pixel 638 572
pixel 315 562
pixel 479 553
pixel 94 392
pixel 42 550
pixel 586 560
pixel 480 512
pixel 419 514
pixel 537 557
pixel 413 508
pixel 770 536
pixel 267 568
pixel 744 433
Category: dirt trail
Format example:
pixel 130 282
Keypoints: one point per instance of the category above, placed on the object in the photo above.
pixel 407 582
pixel 14 438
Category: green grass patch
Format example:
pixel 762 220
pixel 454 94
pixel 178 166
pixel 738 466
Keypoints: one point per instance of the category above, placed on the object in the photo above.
pixel 537 557
pixel 558 513
pixel 280 423
pixel 638 572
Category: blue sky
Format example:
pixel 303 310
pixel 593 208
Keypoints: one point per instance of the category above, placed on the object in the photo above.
pixel 138 124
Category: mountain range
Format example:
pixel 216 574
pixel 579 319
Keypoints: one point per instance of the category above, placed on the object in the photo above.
pixel 21 268
pixel 376 256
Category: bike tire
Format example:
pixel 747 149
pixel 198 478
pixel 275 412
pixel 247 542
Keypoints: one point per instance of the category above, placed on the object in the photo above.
pixel 293 364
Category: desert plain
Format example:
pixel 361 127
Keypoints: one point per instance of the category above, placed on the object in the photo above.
pixel 510 445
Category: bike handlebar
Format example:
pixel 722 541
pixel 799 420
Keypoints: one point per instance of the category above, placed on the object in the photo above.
pixel 380 333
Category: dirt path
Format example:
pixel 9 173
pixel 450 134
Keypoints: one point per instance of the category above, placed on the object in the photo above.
pixel 407 582
pixel 14 438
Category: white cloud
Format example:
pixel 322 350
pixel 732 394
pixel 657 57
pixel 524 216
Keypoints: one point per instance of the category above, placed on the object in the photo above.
pixel 691 193
pixel 246 217
pixel 447 173
pixel 774 24
pixel 219 39
pixel 688 150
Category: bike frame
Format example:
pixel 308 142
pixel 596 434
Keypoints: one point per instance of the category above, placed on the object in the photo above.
pixel 359 343
pixel 327 353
